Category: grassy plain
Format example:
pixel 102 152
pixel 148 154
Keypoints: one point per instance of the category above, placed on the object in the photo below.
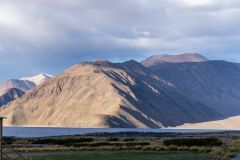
pixel 92 155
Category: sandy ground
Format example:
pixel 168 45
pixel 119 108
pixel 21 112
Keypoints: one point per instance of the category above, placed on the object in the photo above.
pixel 232 123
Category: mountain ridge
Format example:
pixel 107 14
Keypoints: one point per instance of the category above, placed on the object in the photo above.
pixel 129 94
pixel 79 97
pixel 166 58
pixel 212 82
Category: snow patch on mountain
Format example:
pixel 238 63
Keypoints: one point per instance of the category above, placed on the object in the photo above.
pixel 38 79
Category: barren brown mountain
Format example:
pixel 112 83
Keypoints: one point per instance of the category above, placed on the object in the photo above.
pixel 104 94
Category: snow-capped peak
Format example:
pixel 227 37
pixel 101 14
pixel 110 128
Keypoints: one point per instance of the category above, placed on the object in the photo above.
pixel 38 79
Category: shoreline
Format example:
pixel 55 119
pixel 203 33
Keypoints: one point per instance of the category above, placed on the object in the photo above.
pixel 166 128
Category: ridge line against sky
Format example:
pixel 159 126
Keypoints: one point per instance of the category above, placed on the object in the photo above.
pixel 48 36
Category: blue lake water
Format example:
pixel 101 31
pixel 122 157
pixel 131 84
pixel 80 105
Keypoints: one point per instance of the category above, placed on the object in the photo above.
pixel 49 131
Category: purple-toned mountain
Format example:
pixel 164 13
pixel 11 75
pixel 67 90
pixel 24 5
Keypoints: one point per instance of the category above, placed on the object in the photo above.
pixel 10 95
pixel 213 83
pixel 186 57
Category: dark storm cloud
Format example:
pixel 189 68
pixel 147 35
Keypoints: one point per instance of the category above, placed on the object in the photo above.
pixel 47 36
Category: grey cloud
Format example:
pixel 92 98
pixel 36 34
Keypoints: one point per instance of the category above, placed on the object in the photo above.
pixel 47 36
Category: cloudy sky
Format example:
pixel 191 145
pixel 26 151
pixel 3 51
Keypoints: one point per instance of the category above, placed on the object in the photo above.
pixel 49 35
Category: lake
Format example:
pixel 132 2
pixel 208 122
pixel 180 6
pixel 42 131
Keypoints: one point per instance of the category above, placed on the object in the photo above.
pixel 50 131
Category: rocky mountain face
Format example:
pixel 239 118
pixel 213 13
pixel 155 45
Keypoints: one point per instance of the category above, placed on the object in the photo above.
pixel 10 95
pixel 213 83
pixel 104 94
pixel 186 57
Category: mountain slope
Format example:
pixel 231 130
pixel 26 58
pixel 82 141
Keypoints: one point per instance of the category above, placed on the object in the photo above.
pixel 104 94
pixel 213 83
pixel 10 95
pixel 186 57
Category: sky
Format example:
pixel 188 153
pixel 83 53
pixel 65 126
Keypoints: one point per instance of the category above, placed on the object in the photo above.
pixel 47 36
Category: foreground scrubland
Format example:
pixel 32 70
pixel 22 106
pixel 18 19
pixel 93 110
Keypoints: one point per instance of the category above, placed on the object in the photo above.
pixel 123 146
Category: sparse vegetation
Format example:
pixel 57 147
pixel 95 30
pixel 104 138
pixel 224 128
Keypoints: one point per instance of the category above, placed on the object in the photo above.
pixel 193 142
pixel 61 141
pixel 222 148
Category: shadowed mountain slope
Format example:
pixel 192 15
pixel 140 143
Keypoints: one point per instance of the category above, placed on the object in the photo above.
pixel 104 94
pixel 22 85
pixel 10 95
pixel 213 83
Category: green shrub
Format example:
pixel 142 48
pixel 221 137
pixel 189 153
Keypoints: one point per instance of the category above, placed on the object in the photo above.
pixel 193 142
pixel 136 144
pixel 9 140
pixel 172 148
pixel 97 144
pixel 194 148
pixel 129 139
pixel 184 148
pixel 63 141
pixel 113 139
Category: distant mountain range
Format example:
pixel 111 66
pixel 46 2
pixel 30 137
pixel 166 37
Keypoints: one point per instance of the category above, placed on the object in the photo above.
pixel 39 79
pixel 162 91
pixel 15 88
pixel 186 57
pixel 10 95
